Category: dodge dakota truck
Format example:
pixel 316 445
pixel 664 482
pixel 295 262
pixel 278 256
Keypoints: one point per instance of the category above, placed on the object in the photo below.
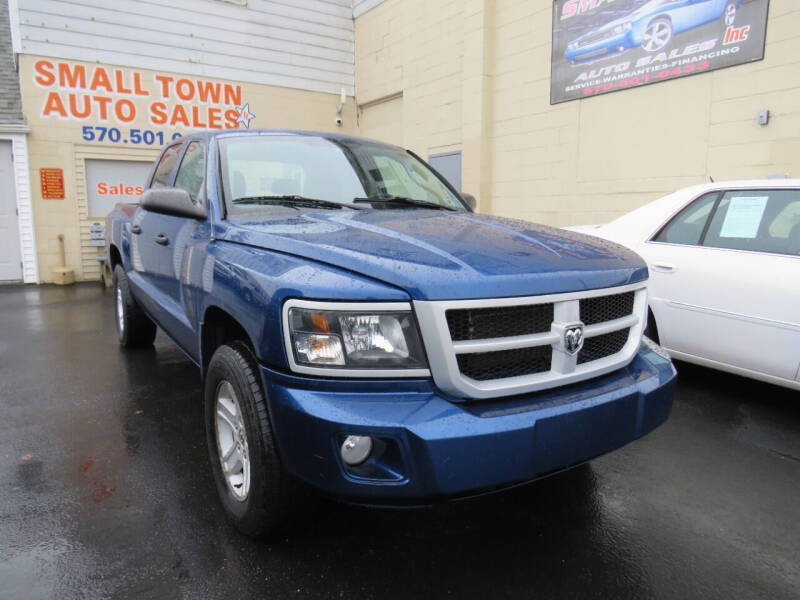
pixel 362 332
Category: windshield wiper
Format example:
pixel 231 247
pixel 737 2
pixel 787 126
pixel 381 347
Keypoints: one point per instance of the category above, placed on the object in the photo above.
pixel 400 200
pixel 290 200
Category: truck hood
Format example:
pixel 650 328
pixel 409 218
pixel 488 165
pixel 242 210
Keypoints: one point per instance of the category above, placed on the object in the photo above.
pixel 438 255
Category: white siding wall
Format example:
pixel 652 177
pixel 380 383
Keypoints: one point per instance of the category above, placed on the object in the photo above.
pixel 305 44
pixel 362 6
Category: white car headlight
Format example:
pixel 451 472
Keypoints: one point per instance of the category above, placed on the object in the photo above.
pixel 353 339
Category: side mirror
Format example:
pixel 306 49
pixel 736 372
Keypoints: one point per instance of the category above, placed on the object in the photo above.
pixel 470 200
pixel 172 201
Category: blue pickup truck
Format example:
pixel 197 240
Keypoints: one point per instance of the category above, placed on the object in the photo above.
pixel 361 331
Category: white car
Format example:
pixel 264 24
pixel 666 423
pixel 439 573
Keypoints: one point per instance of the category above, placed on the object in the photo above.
pixel 724 262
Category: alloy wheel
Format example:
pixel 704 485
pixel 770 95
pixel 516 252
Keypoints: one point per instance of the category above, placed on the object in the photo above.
pixel 120 311
pixel 232 445
pixel 656 36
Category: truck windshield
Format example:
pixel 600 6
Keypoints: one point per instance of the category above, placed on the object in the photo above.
pixel 256 168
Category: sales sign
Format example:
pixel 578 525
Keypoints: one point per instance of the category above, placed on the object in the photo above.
pixel 52 181
pixel 111 181
pixel 602 46
pixel 130 106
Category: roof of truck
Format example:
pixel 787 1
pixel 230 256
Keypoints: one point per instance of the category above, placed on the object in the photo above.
pixel 209 134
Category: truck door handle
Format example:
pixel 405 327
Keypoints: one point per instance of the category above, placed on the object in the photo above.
pixel 136 229
pixel 162 239
pixel 663 267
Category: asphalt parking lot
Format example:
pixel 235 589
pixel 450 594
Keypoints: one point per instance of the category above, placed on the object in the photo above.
pixel 105 492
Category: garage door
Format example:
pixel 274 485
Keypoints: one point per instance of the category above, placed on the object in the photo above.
pixel 383 120
pixel 10 265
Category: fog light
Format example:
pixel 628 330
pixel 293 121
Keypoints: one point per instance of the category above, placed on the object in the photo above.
pixel 356 449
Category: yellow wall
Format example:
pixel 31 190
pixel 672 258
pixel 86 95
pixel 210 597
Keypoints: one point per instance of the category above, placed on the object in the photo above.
pixel 403 47
pixel 475 76
pixel 56 142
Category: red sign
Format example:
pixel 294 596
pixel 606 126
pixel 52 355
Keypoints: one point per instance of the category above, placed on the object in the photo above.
pixel 52 184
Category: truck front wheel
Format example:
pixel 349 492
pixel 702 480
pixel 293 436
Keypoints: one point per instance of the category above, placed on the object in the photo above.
pixel 134 328
pixel 257 494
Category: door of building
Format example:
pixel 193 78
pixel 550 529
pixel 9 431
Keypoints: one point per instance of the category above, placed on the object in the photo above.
pixel 383 121
pixel 10 261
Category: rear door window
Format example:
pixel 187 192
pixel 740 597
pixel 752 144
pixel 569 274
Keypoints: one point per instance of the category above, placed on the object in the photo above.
pixel 757 221
pixel 687 226
pixel 165 166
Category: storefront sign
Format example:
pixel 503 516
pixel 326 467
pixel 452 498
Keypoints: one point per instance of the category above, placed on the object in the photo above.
pixel 113 102
pixel 52 184
pixel 602 46
pixel 111 181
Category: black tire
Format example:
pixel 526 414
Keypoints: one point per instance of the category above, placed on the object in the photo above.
pixel 651 329
pixel 271 502
pixel 134 327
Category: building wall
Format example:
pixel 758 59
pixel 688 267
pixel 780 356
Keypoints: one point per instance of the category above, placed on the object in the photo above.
pixel 10 103
pixel 305 44
pixel 413 50
pixel 13 129
pixel 59 141
pixel 289 62
pixel 584 161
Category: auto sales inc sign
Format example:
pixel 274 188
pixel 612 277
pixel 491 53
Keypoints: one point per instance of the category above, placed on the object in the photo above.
pixel 128 106
pixel 602 46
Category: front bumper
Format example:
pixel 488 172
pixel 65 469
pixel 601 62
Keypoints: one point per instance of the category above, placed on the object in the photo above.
pixel 428 446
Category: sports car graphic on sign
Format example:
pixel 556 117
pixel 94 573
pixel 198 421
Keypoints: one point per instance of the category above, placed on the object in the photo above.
pixel 651 26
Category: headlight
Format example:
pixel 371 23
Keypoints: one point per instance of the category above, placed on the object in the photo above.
pixel 622 28
pixel 371 339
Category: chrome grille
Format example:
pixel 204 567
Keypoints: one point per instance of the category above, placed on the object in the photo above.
pixel 504 346
pixel 593 38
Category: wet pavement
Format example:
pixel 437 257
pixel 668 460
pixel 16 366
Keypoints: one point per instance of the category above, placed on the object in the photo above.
pixel 105 492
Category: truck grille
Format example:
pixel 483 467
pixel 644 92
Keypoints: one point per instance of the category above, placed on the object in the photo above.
pixel 606 308
pixel 505 363
pixel 495 322
pixel 603 345
pixel 498 347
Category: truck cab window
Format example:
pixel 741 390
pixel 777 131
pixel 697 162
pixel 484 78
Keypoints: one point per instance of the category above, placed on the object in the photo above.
pixel 191 172
pixel 165 166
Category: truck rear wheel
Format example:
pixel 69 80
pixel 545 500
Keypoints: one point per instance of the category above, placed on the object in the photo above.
pixel 257 494
pixel 134 328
